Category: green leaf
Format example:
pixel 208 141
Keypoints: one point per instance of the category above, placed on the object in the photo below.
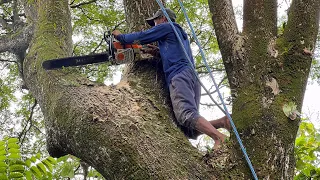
pixel 33 159
pixel 310 128
pixel 16 168
pixel 38 155
pixel 300 141
pixel 13 146
pixel 35 171
pixel 52 160
pixel 3 152
pixel 94 173
pixel 318 137
pixel 14 150
pixel 3 176
pixel 2 157
pixel 13 140
pixel 49 176
pixel 2 147
pixel 3 164
pixel 15 156
pixel 67 170
pixel 28 163
pixel 306 171
pixel 3 169
pixel 42 168
pixel 48 165
pixel 2 143
pixel 15 175
pixel 16 162
pixel 63 158
pixel 28 175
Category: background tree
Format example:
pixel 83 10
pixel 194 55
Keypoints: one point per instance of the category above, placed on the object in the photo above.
pixel 266 70
pixel 129 127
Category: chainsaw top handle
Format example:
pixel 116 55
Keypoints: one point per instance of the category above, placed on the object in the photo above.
pixel 109 38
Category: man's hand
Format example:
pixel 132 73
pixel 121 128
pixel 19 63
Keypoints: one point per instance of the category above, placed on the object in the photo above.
pixel 152 49
pixel 116 32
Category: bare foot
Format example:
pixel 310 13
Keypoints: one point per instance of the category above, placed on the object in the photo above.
pixel 218 142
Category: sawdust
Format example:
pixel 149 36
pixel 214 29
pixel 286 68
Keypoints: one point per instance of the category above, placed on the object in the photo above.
pixel 135 107
pixel 123 84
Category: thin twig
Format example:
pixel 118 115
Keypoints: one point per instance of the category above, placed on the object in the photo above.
pixel 3 60
pixel 94 51
pixel 83 11
pixel 72 2
pixel 84 3
pixel 212 92
pixel 116 26
pixel 210 105
pixel 24 131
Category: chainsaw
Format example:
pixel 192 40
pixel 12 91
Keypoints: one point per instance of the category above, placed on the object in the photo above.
pixel 116 54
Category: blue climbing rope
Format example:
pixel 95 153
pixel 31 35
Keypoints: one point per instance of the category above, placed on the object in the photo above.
pixel 210 73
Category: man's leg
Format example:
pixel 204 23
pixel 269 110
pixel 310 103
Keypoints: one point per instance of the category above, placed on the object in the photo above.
pixel 185 97
pixel 207 128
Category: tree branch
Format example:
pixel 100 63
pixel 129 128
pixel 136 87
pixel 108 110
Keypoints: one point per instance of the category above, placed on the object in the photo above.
pixel 260 18
pixel 72 2
pixel 210 104
pixel 4 1
pixel 83 3
pixel 224 21
pixel 230 42
pixel 18 43
pixel 303 23
pixel 219 85
pixel 4 23
pixel 15 13
pixel 205 72
pixel 213 105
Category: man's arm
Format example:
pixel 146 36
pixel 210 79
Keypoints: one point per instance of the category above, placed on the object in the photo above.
pixel 144 37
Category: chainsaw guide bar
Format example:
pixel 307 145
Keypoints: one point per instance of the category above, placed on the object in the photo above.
pixel 116 54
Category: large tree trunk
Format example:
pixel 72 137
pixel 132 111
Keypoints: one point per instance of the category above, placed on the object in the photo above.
pixel 124 131
pixel 256 60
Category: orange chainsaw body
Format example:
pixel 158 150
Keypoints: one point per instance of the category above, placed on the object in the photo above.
pixel 125 53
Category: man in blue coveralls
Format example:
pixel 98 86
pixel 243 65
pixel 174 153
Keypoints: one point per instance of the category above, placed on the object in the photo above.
pixel 183 85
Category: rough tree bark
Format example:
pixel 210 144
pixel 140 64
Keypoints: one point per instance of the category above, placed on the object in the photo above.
pixel 124 131
pixel 17 37
pixel 265 70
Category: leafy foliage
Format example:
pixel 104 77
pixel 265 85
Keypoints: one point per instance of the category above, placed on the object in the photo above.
pixel 7 85
pixel 315 67
pixel 307 152
pixel 69 166
pixel 90 22
pixel 198 13
pixel 12 165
